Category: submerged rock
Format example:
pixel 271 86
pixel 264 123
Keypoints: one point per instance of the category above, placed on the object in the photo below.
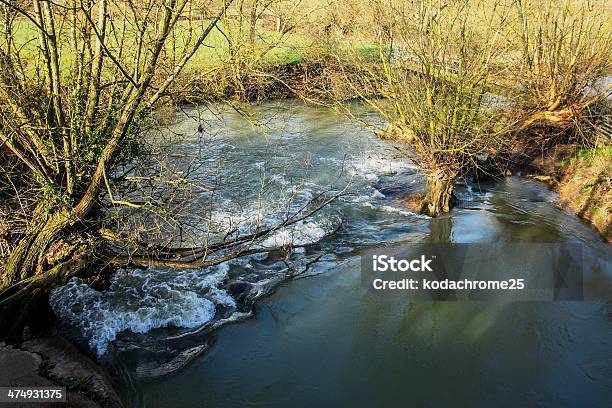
pixel 153 369
pixel 241 292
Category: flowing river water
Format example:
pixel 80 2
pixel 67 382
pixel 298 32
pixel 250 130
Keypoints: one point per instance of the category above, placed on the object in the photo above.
pixel 320 338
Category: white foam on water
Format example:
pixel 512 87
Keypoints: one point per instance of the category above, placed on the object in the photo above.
pixel 141 300
pixel 301 233
pixel 378 194
pixel 407 213
pixel 267 211
pixel 380 165
pixel 372 178
pixel 362 200
pixel 259 257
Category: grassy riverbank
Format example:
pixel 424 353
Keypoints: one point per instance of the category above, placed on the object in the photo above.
pixel 583 180
pixel 275 65
pixel 586 188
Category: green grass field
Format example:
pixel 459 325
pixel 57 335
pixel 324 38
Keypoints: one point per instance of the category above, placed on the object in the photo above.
pixel 271 47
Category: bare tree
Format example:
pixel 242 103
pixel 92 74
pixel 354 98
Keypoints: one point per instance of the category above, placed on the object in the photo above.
pixel 253 30
pixel 562 68
pixel 430 83
pixel 78 82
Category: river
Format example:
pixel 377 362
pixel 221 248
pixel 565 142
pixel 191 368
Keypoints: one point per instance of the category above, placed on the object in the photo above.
pixel 321 338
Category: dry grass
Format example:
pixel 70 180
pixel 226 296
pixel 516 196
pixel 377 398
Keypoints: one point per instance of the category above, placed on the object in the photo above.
pixel 586 188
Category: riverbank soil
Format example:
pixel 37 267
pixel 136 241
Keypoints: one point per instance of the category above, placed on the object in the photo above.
pixel 583 179
pixel 55 362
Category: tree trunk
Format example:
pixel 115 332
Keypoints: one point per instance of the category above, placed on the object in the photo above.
pixel 48 256
pixel 439 198
pixel 27 258
pixel 253 25
pixel 25 303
